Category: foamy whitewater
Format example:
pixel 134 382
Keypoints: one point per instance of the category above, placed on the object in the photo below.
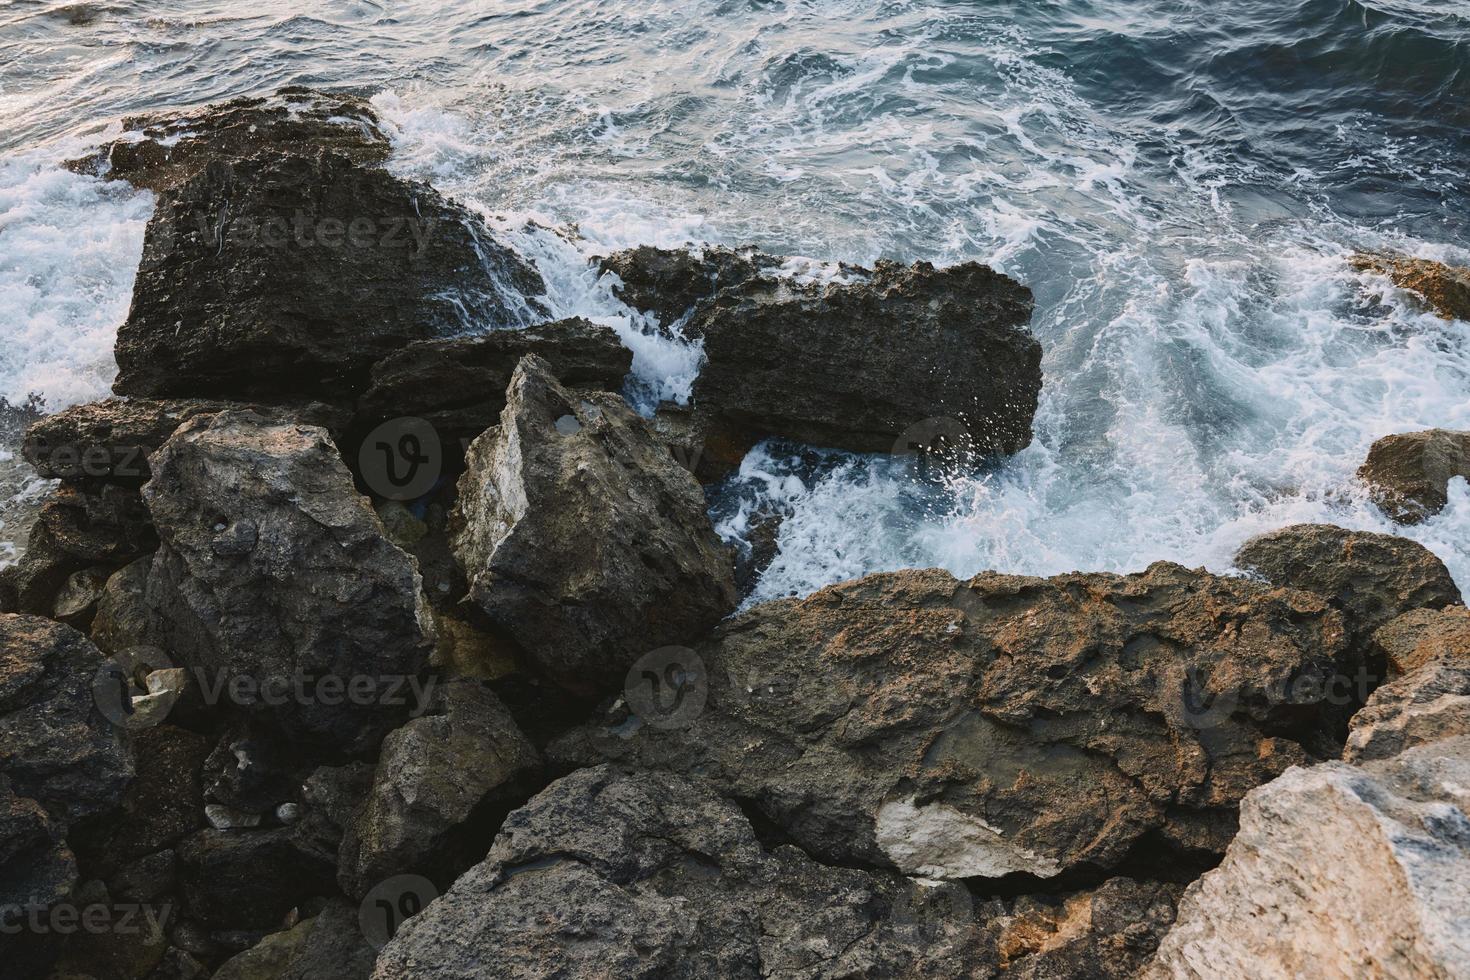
pixel 1180 190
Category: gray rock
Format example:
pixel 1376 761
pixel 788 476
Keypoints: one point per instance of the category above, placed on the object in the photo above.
pixel 273 569
pixel 1339 870
pixel 1428 705
pixel 334 948
pixel 1008 724
pixel 651 875
pixel 123 619
pixel 582 538
pixel 269 958
pixel 1409 474
pixel 671 282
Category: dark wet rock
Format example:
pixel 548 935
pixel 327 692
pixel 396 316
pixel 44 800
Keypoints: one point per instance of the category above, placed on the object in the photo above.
pixel 76 602
pixel 859 365
pixel 331 798
pixel 582 538
pixel 177 964
pixel 334 948
pixel 268 959
pixel 287 277
pixel 274 571
pixel 124 942
pixel 1409 474
pixel 1444 289
pixel 55 746
pixel 653 876
pixel 37 869
pixel 164 149
pixel 1372 578
pixel 77 529
pixel 145 879
pixel 458 385
pixel 1428 705
pixel 252 772
pixel 1008 724
pixel 435 776
pixel 250 879
pixel 123 618
pixel 112 439
pixel 671 282
pixel 1422 636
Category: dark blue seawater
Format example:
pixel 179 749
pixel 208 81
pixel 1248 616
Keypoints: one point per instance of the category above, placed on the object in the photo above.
pixel 1180 183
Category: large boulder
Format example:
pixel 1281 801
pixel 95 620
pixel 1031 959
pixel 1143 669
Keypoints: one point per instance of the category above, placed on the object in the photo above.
pixel 1444 289
pixel 652 876
pixel 1409 474
pixel 160 150
pixel 435 776
pixel 864 364
pixel 581 537
pixel 275 579
pixel 458 385
pixel 671 282
pixel 1339 871
pixel 1372 578
pixel 1006 724
pixel 283 277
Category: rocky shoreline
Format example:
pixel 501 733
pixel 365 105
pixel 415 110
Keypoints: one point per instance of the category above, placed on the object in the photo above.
pixel 369 632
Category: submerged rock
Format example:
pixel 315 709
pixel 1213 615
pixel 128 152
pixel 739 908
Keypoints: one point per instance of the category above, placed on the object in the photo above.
pixel 1339 870
pixel 1409 474
pixel 286 277
pixel 652 876
pixel 1444 289
pixel 859 365
pixel 276 575
pixel 582 538
pixel 1007 724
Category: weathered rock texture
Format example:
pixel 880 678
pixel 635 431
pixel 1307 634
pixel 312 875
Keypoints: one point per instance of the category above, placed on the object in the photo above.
pixel 1422 636
pixel 1339 871
pixel 1409 474
pixel 1007 724
pixel 1445 289
pixel 283 277
pixel 671 282
pixel 459 385
pixel 652 876
pixel 856 366
pixel 582 538
pixel 250 879
pixel 1431 704
pixel 273 568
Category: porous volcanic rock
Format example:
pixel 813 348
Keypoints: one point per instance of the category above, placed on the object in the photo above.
pixel 1421 636
pixel 1339 871
pixel 273 568
pixel 652 876
pixel 581 537
pixel 670 282
pixel 1001 725
pixel 859 365
pixel 286 277
pixel 1409 474
pixel 1445 289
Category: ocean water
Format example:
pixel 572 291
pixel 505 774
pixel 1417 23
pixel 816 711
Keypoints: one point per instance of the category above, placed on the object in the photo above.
pixel 1180 183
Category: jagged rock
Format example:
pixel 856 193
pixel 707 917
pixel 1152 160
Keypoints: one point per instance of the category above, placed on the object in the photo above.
pixel 1430 704
pixel 856 366
pixel 123 619
pixel 465 651
pixel 458 385
pixel 269 958
pixel 274 573
pixel 76 601
pixel 55 746
pixel 1421 636
pixel 1108 931
pixel 1007 724
pixel 1372 578
pixel 671 282
pixel 252 772
pixel 37 869
pixel 1409 474
pixel 332 796
pixel 435 776
pixel 112 439
pixel 1339 871
pixel 1445 289
pixel 581 537
pixel 164 149
pixel 334 949
pixel 283 277
pixel 651 875
pixel 250 879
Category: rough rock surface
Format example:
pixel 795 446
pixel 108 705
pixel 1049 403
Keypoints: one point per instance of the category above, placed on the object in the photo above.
pixel 288 277
pixel 1430 704
pixel 670 282
pixel 856 366
pixel 1372 578
pixel 1007 724
pixel 459 385
pixel 1422 636
pixel 274 568
pixel 163 149
pixel 250 879
pixel 36 867
pixel 434 775
pixel 1409 474
pixel 581 536
pixel 1339 871
pixel 1445 289
pixel 652 876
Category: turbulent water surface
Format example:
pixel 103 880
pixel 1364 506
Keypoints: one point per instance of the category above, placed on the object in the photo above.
pixel 1180 183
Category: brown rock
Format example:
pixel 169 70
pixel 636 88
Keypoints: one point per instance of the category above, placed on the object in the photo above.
pixel 1445 289
pixel 1421 636
pixel 1409 474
